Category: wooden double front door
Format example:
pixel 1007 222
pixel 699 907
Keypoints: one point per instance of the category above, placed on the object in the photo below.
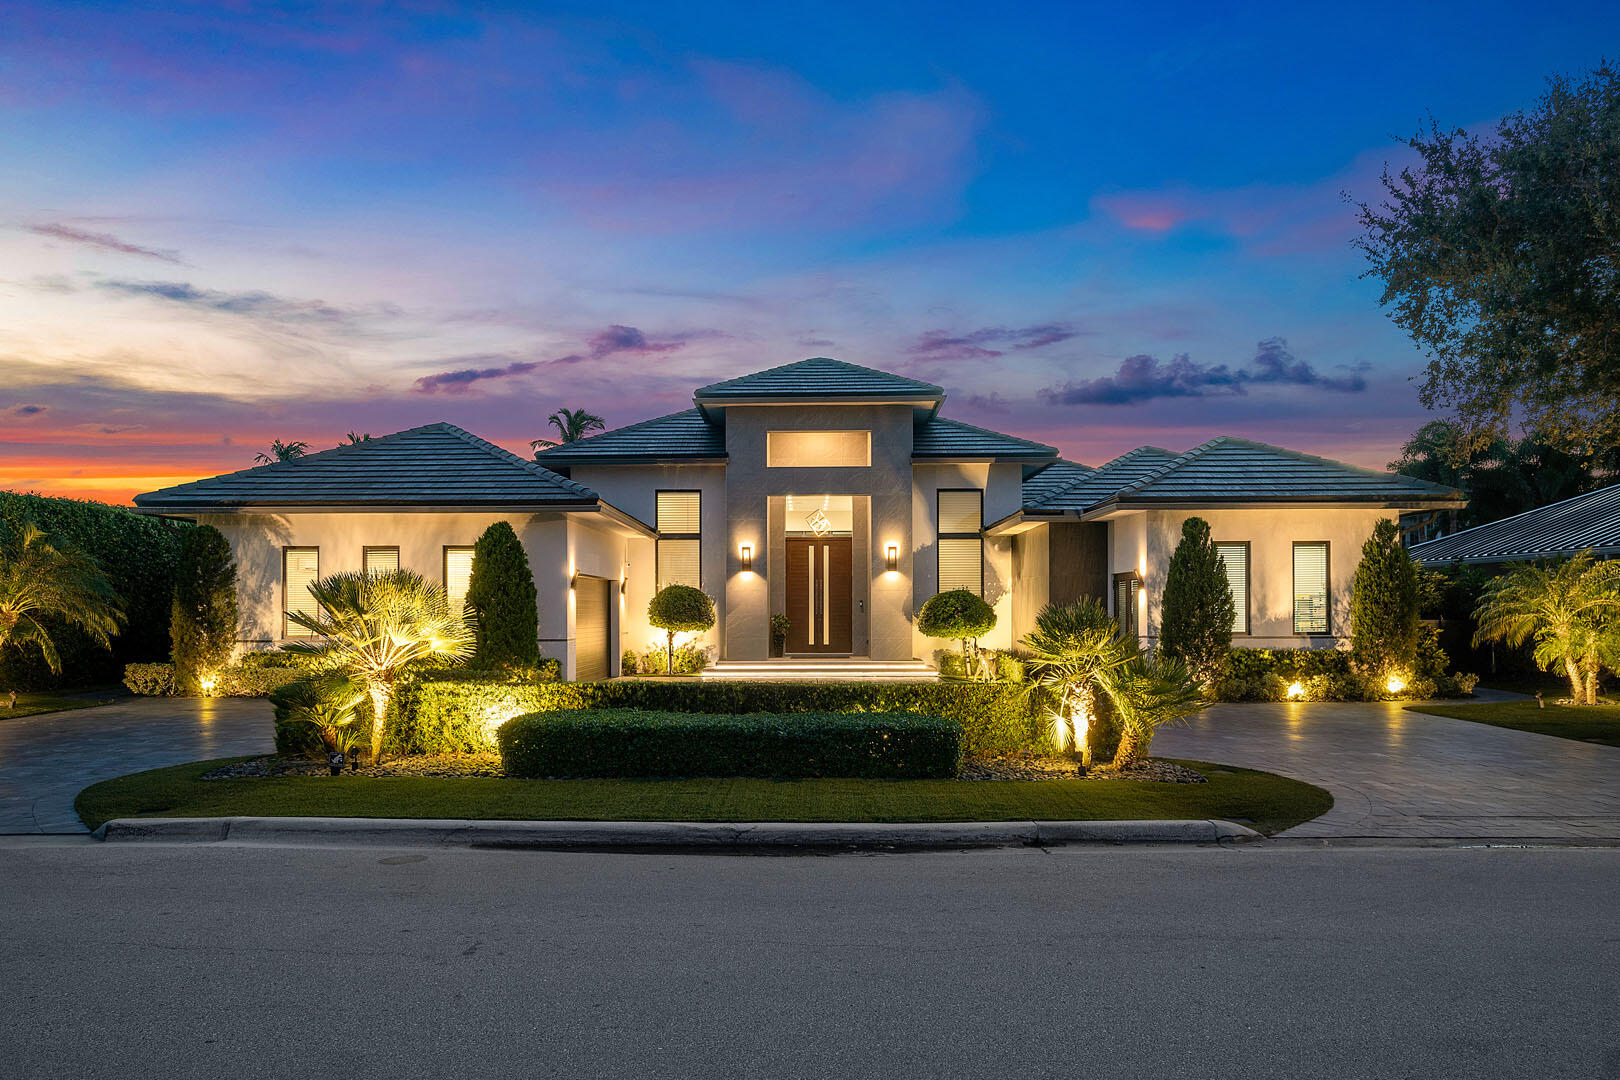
pixel 819 591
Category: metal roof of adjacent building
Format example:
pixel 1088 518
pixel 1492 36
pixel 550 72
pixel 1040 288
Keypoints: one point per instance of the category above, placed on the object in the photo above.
pixel 940 438
pixel 1589 522
pixel 433 465
pixel 818 379
pixel 682 436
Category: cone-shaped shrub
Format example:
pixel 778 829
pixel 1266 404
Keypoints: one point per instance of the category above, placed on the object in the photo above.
pixel 1384 605
pixel 1196 629
pixel 501 596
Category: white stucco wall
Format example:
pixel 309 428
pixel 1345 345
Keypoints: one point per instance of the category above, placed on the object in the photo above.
pixel 1003 494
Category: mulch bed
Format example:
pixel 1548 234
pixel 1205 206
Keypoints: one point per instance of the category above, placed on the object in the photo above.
pixel 475 765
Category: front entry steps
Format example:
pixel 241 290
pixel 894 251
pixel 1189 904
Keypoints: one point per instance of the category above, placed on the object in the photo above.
pixel 822 669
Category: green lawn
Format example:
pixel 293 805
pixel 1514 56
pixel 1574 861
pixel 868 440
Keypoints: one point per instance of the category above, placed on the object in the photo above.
pixel 1588 723
pixel 34 704
pixel 1268 803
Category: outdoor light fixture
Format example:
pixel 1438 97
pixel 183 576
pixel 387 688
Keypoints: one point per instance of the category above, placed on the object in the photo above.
pixel 748 558
pixel 573 582
pixel 1395 684
pixel 1296 690
pixel 207 682
pixel 891 558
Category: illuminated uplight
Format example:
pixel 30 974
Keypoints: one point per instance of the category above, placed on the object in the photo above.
pixel 208 682
pixel 1395 684
pixel 1296 690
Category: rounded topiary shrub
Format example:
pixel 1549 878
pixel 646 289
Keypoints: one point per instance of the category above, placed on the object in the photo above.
pixel 957 614
pixel 679 609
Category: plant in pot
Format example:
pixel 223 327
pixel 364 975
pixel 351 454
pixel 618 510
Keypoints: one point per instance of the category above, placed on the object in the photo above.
pixel 779 633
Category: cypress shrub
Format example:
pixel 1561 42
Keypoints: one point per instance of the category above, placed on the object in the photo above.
pixel 501 595
pixel 139 556
pixel 631 743
pixel 1196 627
pixel 1384 620
pixel 202 618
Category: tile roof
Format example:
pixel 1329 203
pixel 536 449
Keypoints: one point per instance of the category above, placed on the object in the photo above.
pixel 1050 479
pixel 682 436
pixel 819 378
pixel 434 465
pixel 1098 484
pixel 1233 470
pixel 1585 522
pixel 938 437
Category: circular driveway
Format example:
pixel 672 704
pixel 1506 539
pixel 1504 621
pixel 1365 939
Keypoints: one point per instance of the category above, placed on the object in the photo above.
pixel 46 760
pixel 1395 773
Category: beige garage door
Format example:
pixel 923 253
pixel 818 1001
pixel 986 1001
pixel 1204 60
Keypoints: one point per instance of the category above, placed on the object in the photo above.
pixel 592 605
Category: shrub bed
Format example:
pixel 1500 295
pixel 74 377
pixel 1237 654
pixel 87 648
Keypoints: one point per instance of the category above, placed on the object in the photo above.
pixel 439 712
pixel 629 743
pixel 238 680
pixel 1330 675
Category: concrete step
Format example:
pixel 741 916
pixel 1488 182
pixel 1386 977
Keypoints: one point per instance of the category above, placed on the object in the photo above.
pixel 830 669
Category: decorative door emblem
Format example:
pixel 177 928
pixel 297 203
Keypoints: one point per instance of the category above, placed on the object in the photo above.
pixel 817 520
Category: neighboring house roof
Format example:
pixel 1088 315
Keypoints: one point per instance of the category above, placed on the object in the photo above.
pixel 818 379
pixel 939 438
pixel 1585 522
pixel 682 436
pixel 437 465
pixel 1098 484
pixel 1049 479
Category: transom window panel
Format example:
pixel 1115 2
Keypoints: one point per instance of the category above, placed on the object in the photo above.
pixel 818 449
pixel 960 512
pixel 680 511
pixel 680 563
pixel 1311 587
pixel 457 576
pixel 1236 558
pixel 380 560
pixel 300 567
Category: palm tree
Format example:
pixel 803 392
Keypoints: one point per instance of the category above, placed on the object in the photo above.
pixel 374 624
pixel 282 451
pixel 39 580
pixel 1078 653
pixel 572 425
pixel 353 439
pixel 1157 691
pixel 1571 610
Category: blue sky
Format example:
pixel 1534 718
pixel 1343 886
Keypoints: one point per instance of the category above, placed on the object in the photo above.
pixel 1095 226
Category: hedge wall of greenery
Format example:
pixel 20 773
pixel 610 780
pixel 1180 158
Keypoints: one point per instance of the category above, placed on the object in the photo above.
pixel 139 555
pixel 236 680
pixel 632 743
pixel 458 712
pixel 1331 675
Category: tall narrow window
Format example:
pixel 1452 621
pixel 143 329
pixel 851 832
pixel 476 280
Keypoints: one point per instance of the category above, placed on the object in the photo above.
pixel 961 551
pixel 1128 603
pixel 380 560
pixel 1311 587
pixel 299 568
pixel 1236 558
pixel 457 576
pixel 680 538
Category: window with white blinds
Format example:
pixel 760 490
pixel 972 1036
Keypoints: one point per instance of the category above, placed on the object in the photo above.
pixel 1311 587
pixel 458 562
pixel 380 560
pixel 300 567
pixel 1236 558
pixel 818 449
pixel 961 551
pixel 1128 602
pixel 680 538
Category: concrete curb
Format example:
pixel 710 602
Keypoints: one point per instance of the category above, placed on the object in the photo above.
pixel 668 835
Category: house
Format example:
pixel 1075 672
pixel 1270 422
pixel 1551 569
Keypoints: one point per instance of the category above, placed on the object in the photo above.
pixel 1589 522
pixel 835 494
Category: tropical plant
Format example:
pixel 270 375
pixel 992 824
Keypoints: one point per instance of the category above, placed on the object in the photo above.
pixel 501 595
pixel 331 705
pixel 373 625
pixel 1384 605
pixel 282 451
pixel 39 580
pixel 677 609
pixel 1079 655
pixel 1156 690
pixel 1571 610
pixel 572 425
pixel 353 439
pixel 202 619
pixel 1196 623
pixel 959 614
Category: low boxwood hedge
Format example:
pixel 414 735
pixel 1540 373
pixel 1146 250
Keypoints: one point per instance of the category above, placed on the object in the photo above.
pixel 238 680
pixel 631 743
pixel 457 711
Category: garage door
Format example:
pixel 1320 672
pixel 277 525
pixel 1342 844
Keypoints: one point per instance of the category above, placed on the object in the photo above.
pixel 592 605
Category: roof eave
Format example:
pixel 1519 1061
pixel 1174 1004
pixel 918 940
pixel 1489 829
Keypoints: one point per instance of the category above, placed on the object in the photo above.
pixel 366 507
pixel 1296 502
pixel 636 459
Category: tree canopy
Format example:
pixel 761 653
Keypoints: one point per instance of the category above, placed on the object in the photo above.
pixel 1500 256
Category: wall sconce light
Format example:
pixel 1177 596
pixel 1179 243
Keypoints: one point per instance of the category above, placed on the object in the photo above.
pixel 748 558
pixel 891 558
pixel 573 582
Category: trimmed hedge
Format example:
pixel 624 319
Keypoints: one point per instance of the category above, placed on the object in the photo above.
pixel 238 680
pixel 1331 675
pixel 457 712
pixel 629 743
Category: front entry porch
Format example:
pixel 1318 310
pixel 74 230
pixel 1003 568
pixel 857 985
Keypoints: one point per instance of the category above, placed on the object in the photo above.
pixel 822 669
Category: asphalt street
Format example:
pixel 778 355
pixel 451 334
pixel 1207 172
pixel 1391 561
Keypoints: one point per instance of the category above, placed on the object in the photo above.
pixel 1264 960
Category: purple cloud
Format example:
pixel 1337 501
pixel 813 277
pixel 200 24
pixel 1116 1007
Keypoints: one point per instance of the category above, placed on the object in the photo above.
pixel 255 304
pixel 458 380
pixel 1144 377
pixel 26 410
pixel 627 339
pixel 975 344
pixel 616 339
pixel 104 241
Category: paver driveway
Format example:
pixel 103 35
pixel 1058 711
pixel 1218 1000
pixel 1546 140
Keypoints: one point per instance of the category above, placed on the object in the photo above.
pixel 1395 773
pixel 46 760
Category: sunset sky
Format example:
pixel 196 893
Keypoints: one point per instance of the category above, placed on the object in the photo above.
pixel 1095 225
